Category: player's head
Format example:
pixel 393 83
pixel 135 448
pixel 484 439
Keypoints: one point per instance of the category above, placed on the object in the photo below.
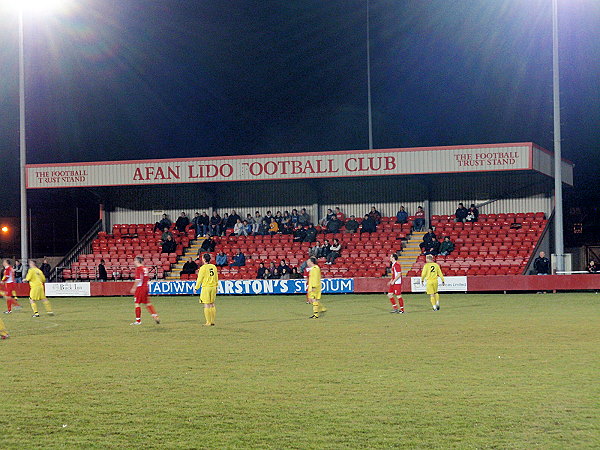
pixel 393 257
pixel 138 261
pixel 32 263
pixel 429 258
pixel 312 261
pixel 206 258
pixel 6 262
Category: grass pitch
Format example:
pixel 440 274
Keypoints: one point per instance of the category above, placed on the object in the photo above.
pixel 518 371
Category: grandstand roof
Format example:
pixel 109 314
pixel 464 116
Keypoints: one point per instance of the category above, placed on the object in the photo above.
pixel 472 159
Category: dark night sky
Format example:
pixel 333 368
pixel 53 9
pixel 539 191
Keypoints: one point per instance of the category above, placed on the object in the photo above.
pixel 132 79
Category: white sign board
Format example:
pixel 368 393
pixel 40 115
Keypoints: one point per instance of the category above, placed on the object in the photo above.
pixel 453 284
pixel 68 290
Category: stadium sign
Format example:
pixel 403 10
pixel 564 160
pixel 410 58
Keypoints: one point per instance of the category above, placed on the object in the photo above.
pixel 408 161
pixel 253 287
pixel 452 284
pixel 68 289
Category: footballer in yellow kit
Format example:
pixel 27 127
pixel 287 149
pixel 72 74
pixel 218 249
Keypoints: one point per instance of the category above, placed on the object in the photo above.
pixel 314 288
pixel 431 271
pixel 36 280
pixel 208 279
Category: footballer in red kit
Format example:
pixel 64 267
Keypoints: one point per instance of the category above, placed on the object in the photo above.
pixel 395 286
pixel 9 286
pixel 140 291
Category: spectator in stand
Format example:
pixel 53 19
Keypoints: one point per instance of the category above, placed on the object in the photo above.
pixel 286 226
pixel 45 268
pixel 352 225
pixel 294 274
pixel 238 228
pixel 460 215
pixel 189 268
pixel 169 246
pixel 215 224
pixel 311 233
pixel 196 224
pixel 165 222
pixel 102 275
pixel 446 247
pixel 430 244
pixel 250 222
pixel 239 260
pixel 329 216
pixel 166 234
pixel 315 250
pixel 268 217
pixel 207 246
pixel 283 265
pixel 232 219
pixel 541 265
pixel 419 223
pixel 334 225
pixel 335 251
pixel 285 275
pixel 273 226
pixel 375 215
pixel 304 218
pixel 592 267
pixel 257 221
pixel 262 273
pixel 295 217
pixel 272 269
pixel 204 223
pixel 247 228
pixel 182 222
pixel 472 214
pixel 299 234
pixel 263 229
pixel 224 221
pixel 18 271
pixel 221 259
pixel 275 275
pixel 279 218
pixel 368 225
pixel 401 215
pixel 325 249
pixel 340 215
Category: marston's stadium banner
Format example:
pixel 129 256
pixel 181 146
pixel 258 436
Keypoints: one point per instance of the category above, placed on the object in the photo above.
pixel 408 161
pixel 253 287
pixel 68 289
pixel 456 284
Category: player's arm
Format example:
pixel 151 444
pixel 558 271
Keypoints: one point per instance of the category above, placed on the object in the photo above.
pixel 200 278
pixel 441 275
pixel 29 275
pixel 423 273
pixel 136 283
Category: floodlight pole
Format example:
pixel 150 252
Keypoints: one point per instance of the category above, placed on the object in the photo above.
pixel 369 80
pixel 22 145
pixel 558 198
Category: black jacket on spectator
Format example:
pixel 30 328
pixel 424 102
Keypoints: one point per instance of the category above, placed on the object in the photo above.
pixel 189 268
pixel 262 273
pixel 169 247
pixel 352 225
pixel 45 268
pixel 369 225
pixel 311 234
pixel 181 223
pixel 232 220
pixel 333 226
pixel 461 213
pixel 541 265
pixel 299 235
pixel 208 245
pixel 102 275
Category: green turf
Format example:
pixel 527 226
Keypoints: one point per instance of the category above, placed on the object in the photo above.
pixel 500 371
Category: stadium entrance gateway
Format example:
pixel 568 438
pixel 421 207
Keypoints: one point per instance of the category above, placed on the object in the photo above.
pixel 499 178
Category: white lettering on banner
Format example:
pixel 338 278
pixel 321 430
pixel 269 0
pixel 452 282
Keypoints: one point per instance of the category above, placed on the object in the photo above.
pixel 68 289
pixel 253 287
pixel 298 165
pixel 452 284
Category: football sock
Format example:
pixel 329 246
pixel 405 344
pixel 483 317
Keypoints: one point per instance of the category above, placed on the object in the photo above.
pixel 3 331
pixel 33 306
pixel 316 308
pixel 432 299
pixel 213 314
pixel 138 313
pixel 401 303
pixel 207 315
pixel 151 310
pixel 9 304
pixel 322 307
pixel 437 299
pixel 393 302
pixel 47 305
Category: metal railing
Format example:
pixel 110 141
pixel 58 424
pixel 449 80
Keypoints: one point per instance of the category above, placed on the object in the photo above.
pixel 83 246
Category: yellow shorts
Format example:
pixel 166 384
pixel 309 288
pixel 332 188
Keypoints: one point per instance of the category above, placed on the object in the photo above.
pixel 315 295
pixel 431 287
pixel 208 294
pixel 37 293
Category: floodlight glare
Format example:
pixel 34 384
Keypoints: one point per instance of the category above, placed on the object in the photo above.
pixel 4 229
pixel 34 6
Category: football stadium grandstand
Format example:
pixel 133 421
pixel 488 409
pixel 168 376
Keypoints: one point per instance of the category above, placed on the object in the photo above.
pixel 510 184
